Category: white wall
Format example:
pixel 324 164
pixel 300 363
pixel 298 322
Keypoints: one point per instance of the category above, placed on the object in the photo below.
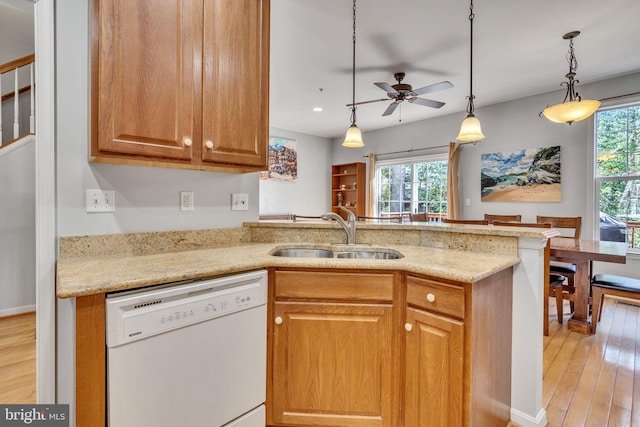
pixel 146 198
pixel 509 126
pixel 310 194
pixel 17 228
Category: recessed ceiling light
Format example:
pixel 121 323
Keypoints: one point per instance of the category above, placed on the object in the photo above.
pixel 317 109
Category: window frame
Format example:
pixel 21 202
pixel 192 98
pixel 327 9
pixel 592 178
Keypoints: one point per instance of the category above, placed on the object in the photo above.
pixel 612 104
pixel 403 161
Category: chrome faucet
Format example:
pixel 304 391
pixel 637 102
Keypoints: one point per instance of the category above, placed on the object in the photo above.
pixel 349 226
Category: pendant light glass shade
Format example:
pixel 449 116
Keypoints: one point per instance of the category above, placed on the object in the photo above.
pixel 470 130
pixel 573 108
pixel 572 111
pixel 353 139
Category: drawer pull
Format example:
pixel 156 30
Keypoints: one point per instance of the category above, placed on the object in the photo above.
pixel 431 297
pixel 408 327
pixel 278 320
pixel 188 142
pixel 209 144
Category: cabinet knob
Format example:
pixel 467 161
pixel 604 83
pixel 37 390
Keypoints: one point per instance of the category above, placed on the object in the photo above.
pixel 278 320
pixel 408 327
pixel 209 144
pixel 188 142
pixel 431 297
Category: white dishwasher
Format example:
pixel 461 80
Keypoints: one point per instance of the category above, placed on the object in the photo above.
pixel 188 354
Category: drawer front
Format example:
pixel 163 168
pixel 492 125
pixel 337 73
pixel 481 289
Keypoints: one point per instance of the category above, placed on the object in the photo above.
pixel 334 286
pixel 435 297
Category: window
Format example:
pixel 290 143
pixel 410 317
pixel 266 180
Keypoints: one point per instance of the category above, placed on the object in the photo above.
pixel 618 173
pixel 417 185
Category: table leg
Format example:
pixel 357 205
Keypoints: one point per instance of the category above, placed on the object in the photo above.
pixel 580 321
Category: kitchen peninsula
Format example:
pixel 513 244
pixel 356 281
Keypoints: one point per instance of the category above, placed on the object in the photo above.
pixel 90 266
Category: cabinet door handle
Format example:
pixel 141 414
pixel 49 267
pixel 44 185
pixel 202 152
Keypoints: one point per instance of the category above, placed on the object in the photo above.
pixel 188 142
pixel 209 144
pixel 278 320
pixel 431 297
pixel 408 327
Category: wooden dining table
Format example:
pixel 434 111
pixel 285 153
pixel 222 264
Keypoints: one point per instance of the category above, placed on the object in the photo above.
pixel 582 253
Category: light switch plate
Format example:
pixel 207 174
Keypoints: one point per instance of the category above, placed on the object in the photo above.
pixel 101 201
pixel 239 202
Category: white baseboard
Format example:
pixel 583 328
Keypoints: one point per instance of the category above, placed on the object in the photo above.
pixel 524 420
pixel 17 310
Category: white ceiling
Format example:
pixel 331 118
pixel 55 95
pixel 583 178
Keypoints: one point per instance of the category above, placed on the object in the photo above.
pixel 518 51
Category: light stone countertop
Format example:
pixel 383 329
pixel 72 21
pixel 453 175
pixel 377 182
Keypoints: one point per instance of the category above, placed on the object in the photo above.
pixel 88 275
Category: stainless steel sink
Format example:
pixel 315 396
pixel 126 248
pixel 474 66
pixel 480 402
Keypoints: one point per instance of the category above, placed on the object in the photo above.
pixel 344 252
pixel 303 253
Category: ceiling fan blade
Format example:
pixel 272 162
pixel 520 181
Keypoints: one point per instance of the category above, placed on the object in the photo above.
pixel 368 102
pixel 426 102
pixel 391 108
pixel 432 88
pixel 387 88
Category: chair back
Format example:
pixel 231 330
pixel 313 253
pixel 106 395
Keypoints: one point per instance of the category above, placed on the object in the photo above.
pixel 465 221
pixel 503 218
pixel 569 224
pixel 418 217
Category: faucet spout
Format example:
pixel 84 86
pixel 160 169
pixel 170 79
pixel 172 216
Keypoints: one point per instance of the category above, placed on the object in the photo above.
pixel 349 226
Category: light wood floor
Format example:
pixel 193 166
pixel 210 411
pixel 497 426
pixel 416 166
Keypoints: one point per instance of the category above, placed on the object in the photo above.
pixel 18 359
pixel 594 380
pixel 588 380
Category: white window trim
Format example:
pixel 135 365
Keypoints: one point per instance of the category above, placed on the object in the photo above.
pixel 402 160
pixel 593 207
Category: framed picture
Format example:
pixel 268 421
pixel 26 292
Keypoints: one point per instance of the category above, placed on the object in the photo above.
pixel 283 160
pixel 527 175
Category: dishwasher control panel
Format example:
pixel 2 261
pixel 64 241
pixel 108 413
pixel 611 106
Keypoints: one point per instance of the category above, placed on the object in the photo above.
pixel 138 315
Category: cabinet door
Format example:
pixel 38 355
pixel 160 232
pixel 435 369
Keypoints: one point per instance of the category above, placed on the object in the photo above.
pixel 236 82
pixel 332 365
pixel 434 370
pixel 147 69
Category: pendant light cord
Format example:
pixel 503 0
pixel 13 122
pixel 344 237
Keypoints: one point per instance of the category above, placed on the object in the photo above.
pixel 353 68
pixel 470 106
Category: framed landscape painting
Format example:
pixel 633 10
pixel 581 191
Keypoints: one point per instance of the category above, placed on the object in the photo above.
pixel 527 175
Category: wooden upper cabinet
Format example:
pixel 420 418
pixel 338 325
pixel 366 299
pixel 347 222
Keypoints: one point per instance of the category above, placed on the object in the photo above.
pixel 181 84
pixel 236 91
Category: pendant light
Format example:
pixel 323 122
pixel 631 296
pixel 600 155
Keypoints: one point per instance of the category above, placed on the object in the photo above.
pixel 353 139
pixel 470 130
pixel 573 108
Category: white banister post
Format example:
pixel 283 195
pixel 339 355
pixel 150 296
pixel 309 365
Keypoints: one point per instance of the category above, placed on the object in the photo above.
pixel 32 91
pixel 16 107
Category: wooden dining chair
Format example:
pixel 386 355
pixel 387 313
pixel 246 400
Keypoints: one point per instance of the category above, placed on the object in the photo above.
pixel 503 218
pixel 553 282
pixel 570 228
pixel 418 217
pixel 465 221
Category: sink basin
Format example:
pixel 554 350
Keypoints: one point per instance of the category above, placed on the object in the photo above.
pixel 303 253
pixel 343 253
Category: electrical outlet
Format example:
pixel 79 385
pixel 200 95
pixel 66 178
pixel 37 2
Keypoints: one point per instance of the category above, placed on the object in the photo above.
pixel 100 201
pixel 186 201
pixel 239 202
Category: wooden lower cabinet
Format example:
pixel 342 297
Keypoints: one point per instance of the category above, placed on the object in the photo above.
pixel 434 370
pixel 356 348
pixel 332 362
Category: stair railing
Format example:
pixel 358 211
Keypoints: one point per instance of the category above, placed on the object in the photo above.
pixel 14 66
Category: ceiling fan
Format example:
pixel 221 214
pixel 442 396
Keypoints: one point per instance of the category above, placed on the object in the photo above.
pixel 401 92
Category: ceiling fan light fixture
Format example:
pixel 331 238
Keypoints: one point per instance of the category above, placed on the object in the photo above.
pixel 353 138
pixel 470 130
pixel 573 108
